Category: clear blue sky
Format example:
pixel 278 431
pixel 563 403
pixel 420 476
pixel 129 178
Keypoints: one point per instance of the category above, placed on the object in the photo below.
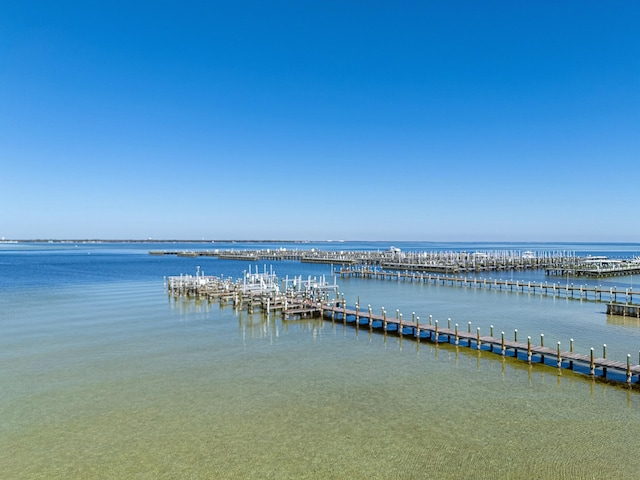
pixel 364 120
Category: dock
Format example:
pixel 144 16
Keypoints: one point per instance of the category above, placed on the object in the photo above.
pixel 298 298
pixel 568 290
pixel 590 364
pixel 553 263
pixel 295 296
pixel 623 309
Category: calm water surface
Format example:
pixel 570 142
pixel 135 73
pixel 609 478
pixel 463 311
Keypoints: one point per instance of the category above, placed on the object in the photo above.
pixel 104 376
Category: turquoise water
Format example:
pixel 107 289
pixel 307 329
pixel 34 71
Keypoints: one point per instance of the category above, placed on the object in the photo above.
pixel 104 376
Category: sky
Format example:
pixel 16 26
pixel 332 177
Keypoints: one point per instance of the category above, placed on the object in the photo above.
pixel 317 120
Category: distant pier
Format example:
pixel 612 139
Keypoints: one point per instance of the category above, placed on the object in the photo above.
pixel 553 263
pixel 569 290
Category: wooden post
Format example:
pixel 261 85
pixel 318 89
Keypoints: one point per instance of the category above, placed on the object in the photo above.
pixel 529 350
pixel 542 345
pixel 384 320
pixel 503 349
pixel 515 339
pixel 418 328
pixel 457 340
pixel 478 339
pixel 491 335
pixel 344 311
pixel 571 351
pixel 370 317
pixel 400 324
pixel 592 365
pixel 604 355
pixel 436 332
pixel 559 357
pixel 628 368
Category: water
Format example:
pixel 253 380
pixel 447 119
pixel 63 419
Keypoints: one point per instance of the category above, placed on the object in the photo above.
pixel 104 376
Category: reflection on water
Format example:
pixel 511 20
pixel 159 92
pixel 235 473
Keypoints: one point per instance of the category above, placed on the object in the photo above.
pixel 623 321
pixel 257 325
pixel 188 306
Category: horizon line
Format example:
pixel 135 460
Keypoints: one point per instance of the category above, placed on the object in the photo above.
pixel 175 240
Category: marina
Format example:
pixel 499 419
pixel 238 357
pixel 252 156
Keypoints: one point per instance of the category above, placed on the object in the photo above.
pixel 256 289
pixel 300 298
pixel 554 263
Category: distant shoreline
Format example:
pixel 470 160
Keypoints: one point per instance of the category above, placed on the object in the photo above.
pixel 48 240
pixel 467 242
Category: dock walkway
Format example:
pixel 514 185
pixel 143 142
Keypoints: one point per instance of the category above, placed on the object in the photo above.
pixel 594 366
pixel 301 298
pixel 448 262
pixel 569 290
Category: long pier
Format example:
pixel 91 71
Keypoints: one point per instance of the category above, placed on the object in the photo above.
pixel 595 366
pixel 311 298
pixel 553 263
pixel 569 290
pixel 394 259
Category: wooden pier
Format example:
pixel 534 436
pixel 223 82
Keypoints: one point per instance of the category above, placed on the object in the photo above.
pixel 296 307
pixel 569 290
pixel 553 263
pixel 590 364
pixel 300 298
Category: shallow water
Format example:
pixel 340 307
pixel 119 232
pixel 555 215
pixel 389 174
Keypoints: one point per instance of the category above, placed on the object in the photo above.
pixel 104 376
